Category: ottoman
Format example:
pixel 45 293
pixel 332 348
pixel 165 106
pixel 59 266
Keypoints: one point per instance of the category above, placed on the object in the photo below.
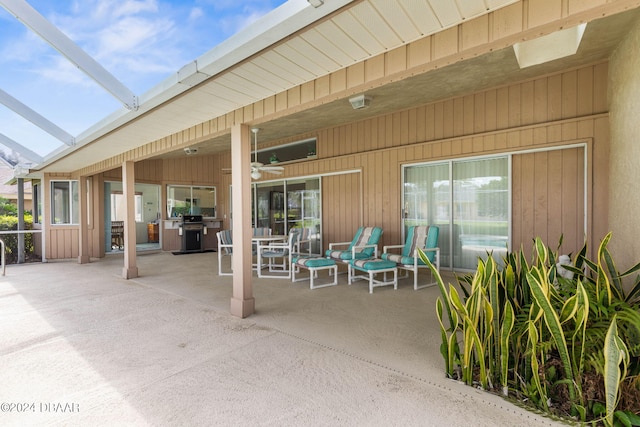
pixel 313 264
pixel 372 267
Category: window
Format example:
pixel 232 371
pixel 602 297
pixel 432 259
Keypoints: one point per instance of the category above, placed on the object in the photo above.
pixel 283 205
pixel 64 202
pixel 118 212
pixel 37 203
pixel 186 200
pixel 468 200
pixel 288 152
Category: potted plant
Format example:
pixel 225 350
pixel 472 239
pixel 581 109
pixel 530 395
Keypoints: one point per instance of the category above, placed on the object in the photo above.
pixel 311 152
pixel 274 158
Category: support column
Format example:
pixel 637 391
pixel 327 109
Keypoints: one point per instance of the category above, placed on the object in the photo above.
pixel 20 220
pixel 130 269
pixel 242 301
pixel 83 238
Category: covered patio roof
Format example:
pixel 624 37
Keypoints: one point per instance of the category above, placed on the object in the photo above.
pixel 266 61
pixel 296 43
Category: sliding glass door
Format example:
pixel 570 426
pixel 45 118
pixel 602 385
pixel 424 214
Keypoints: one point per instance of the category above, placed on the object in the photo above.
pixel 468 200
pixel 283 205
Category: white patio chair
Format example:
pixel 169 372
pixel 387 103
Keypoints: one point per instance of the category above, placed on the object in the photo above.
pixel 418 236
pixel 278 250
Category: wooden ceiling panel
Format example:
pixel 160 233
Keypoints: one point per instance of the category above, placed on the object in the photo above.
pixel 230 96
pixel 378 26
pixel 314 55
pixel 287 68
pixel 397 20
pixel 471 8
pixel 249 87
pixel 343 49
pixel 446 11
pixel 423 17
pixel 359 34
pixel 300 58
pixel 251 71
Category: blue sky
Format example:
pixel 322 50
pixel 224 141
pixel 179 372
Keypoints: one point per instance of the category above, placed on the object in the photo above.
pixel 141 42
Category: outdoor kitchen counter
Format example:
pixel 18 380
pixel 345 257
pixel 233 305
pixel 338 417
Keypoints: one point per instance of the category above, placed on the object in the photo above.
pixel 171 239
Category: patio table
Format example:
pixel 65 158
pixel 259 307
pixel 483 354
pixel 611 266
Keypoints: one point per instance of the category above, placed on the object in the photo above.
pixel 262 240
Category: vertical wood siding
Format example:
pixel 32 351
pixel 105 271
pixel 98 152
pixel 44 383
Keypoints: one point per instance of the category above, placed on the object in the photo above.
pixel 341 208
pixel 548 111
pixel 548 199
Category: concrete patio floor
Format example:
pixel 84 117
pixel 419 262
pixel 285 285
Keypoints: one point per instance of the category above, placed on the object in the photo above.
pixel 81 346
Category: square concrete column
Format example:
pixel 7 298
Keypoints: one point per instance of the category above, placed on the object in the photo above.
pixel 242 302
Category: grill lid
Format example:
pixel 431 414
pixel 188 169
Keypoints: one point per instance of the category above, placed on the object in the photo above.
pixel 191 218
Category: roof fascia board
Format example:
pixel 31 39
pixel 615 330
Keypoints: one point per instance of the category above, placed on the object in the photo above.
pixel 286 20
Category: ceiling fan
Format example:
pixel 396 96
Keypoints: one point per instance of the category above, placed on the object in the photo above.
pixel 256 167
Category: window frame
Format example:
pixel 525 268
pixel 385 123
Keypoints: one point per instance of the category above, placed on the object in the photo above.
pixel 449 253
pixel 174 211
pixel 72 208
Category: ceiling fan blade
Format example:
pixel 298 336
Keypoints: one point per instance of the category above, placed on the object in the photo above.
pixel 272 171
pixel 273 168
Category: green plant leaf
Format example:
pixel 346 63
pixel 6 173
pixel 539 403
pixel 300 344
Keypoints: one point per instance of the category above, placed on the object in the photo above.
pixel 569 309
pixel 472 340
pixel 613 273
pixel 603 281
pixel 444 347
pixel 453 348
pixel 582 321
pixel 441 286
pixel 535 371
pixel 509 281
pixel 614 354
pixel 456 302
pixel 633 296
pixel 578 261
pixel 623 418
pixel 553 325
pixel 541 249
pixel 634 419
pixel 505 333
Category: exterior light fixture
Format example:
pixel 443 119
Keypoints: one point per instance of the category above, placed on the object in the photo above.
pixel 316 3
pixel 190 150
pixel 360 101
pixel 550 47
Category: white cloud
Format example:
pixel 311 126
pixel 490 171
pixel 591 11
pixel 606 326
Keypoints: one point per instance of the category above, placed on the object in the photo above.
pixel 195 14
pixel 133 7
pixel 60 70
pixel 131 34
pixel 140 42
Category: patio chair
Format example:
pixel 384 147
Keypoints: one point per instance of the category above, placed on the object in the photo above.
pixel 278 250
pixel 225 248
pixel 261 231
pixel 363 246
pixel 418 236
pixel 258 232
pixel 304 241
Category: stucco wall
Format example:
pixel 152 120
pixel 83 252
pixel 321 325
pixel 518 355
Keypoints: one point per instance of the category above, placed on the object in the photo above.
pixel 624 197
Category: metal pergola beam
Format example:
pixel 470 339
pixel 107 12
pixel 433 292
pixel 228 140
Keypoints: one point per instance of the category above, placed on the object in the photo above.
pixel 35 118
pixel 24 151
pixel 63 44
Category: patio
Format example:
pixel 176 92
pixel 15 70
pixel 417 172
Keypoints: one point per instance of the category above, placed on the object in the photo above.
pixel 162 349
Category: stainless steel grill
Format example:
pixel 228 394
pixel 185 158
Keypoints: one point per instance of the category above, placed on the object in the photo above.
pixel 192 230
